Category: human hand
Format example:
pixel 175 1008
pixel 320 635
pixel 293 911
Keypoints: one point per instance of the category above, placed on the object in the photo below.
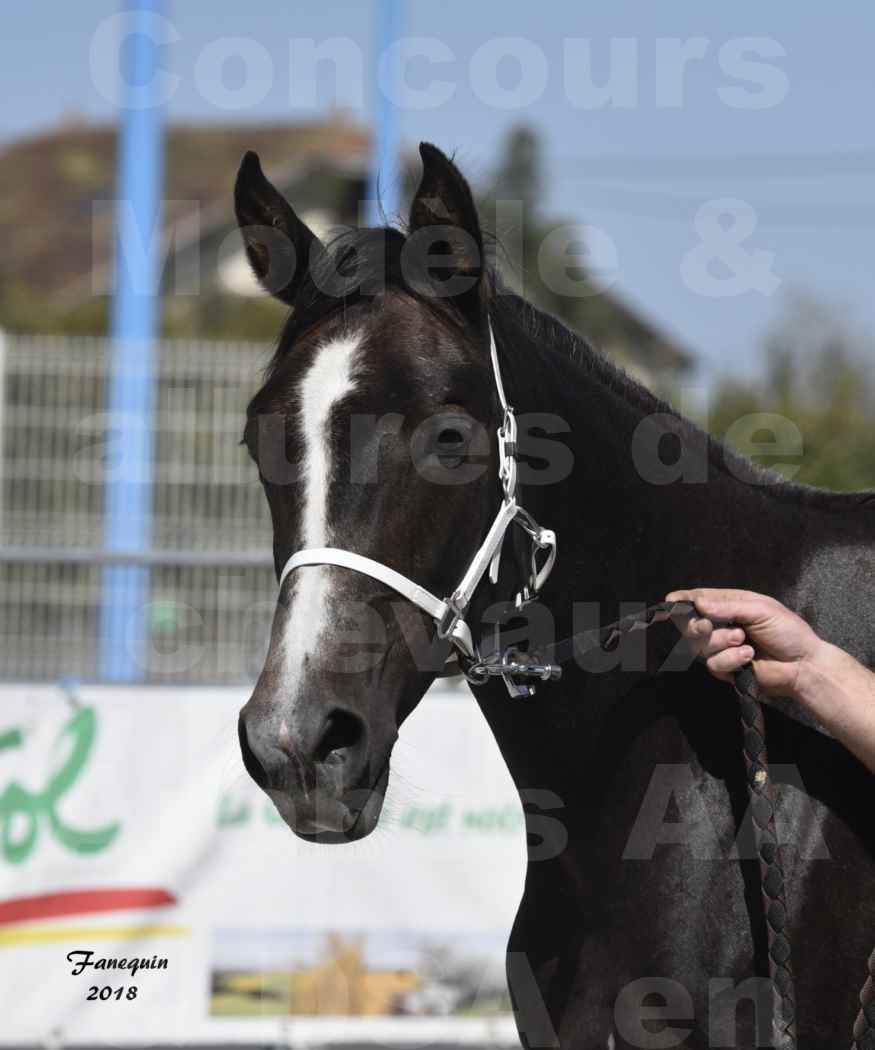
pixel 778 642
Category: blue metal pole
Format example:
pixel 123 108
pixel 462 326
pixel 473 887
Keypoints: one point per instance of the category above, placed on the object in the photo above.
pixel 385 174
pixel 131 387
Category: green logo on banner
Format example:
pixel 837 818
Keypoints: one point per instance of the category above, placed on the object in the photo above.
pixel 24 814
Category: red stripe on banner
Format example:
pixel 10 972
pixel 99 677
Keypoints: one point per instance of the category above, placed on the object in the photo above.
pixel 81 902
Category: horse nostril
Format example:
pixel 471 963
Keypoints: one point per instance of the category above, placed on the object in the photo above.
pixel 253 767
pixel 342 732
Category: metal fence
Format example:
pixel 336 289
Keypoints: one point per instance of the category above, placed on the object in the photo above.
pixel 212 588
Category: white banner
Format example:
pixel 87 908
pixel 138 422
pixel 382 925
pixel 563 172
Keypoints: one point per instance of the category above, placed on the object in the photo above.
pixel 150 894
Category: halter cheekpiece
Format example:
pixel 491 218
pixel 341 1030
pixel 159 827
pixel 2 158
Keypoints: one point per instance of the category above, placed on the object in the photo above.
pixel 516 670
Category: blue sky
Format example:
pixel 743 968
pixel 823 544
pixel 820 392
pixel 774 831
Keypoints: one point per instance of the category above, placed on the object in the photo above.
pixel 802 166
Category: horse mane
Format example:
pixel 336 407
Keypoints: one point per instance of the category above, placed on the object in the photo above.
pixel 359 263
pixel 551 336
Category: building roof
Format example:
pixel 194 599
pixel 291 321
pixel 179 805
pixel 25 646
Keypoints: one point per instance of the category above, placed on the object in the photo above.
pixel 56 213
pixel 57 233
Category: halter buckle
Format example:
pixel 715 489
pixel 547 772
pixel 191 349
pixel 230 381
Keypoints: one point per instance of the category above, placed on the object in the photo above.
pixel 452 614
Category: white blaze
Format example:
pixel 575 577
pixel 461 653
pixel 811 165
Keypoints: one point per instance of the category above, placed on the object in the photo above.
pixel 328 380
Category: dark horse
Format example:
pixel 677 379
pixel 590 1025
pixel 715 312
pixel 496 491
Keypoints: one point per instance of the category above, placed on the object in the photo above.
pixel 640 923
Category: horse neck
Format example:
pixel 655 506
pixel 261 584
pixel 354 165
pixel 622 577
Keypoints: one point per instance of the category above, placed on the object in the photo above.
pixel 621 538
pixel 627 536
pixel 617 528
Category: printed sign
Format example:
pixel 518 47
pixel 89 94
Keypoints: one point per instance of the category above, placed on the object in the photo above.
pixel 149 892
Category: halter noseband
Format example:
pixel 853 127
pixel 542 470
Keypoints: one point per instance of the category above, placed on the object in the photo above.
pixel 449 613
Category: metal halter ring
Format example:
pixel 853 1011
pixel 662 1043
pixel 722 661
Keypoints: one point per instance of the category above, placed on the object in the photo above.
pixel 507 449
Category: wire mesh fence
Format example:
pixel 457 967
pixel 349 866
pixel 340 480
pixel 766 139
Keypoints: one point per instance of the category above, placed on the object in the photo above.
pixel 211 583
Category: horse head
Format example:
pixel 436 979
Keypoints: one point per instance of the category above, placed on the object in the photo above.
pixel 370 435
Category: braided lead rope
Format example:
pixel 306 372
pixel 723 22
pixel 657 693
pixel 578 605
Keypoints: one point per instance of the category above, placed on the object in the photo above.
pixel 762 806
pixel 761 795
pixel 772 881
pixel 864 1029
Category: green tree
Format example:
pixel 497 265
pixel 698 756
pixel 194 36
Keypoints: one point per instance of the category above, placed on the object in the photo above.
pixel 819 374
pixel 546 259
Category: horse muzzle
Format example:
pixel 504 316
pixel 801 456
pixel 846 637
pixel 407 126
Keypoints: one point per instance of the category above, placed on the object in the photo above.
pixel 321 778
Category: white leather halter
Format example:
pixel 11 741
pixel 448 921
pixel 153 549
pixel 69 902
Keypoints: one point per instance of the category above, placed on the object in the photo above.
pixel 449 613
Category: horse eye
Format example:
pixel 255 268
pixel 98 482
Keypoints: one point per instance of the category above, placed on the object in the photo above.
pixel 450 436
pixel 450 445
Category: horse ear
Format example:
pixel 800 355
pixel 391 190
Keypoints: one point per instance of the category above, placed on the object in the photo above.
pixel 444 200
pixel 280 247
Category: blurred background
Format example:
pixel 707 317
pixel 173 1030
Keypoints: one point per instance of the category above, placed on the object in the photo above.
pixel 716 170
pixel 623 124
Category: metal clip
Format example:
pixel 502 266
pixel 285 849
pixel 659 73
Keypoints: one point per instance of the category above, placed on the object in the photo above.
pixel 513 665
